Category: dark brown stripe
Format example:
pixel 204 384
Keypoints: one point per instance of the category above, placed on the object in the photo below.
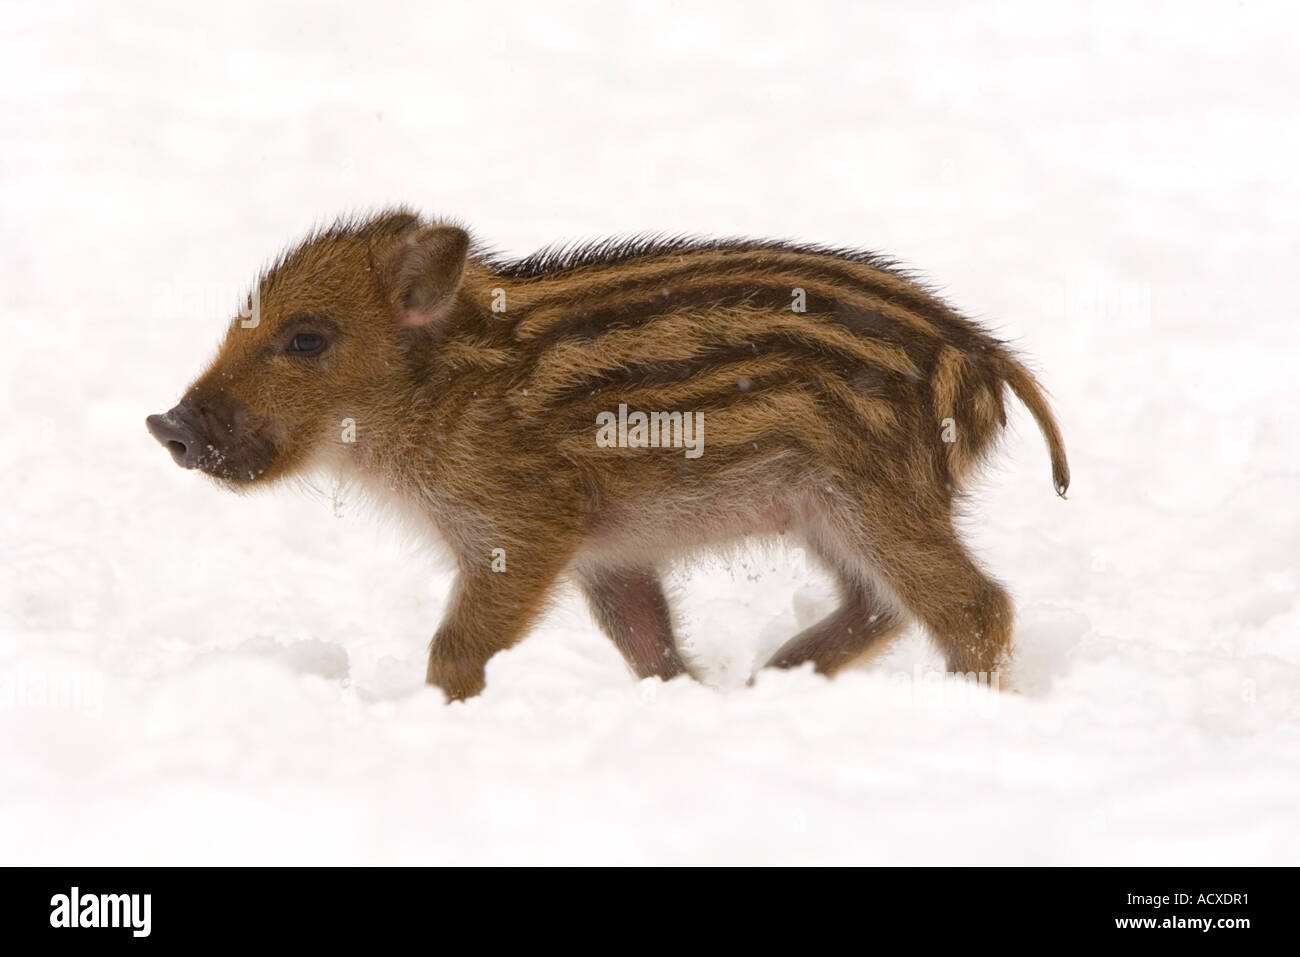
pixel 678 266
pixel 641 396
pixel 870 380
pixel 591 321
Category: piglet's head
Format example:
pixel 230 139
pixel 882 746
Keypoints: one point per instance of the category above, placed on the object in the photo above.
pixel 322 339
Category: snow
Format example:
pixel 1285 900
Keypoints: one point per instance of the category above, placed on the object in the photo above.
pixel 188 676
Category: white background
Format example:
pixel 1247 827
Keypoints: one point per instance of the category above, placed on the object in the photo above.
pixel 188 676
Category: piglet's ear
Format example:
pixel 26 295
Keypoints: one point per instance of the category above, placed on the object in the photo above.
pixel 424 272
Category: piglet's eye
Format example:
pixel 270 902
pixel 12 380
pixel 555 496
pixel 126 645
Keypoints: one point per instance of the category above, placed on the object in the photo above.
pixel 306 344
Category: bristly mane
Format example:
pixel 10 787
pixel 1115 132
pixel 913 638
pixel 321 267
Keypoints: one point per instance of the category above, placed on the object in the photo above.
pixel 568 256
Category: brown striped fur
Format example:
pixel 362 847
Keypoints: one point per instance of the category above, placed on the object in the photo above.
pixel 475 384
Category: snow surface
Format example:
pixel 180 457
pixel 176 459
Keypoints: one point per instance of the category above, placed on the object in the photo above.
pixel 189 676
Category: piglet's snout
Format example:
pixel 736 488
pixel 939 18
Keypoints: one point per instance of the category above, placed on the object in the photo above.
pixel 175 431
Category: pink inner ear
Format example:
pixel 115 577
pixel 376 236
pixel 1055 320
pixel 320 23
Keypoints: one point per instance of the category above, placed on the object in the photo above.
pixel 417 317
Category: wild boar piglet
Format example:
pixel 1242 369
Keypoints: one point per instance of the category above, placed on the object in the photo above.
pixel 596 412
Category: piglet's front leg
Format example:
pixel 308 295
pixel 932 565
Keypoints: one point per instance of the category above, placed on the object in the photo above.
pixel 490 611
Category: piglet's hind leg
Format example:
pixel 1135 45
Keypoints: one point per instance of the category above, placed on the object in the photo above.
pixel 630 605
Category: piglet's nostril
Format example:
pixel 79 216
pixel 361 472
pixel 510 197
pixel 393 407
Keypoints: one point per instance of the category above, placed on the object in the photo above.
pixel 176 435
